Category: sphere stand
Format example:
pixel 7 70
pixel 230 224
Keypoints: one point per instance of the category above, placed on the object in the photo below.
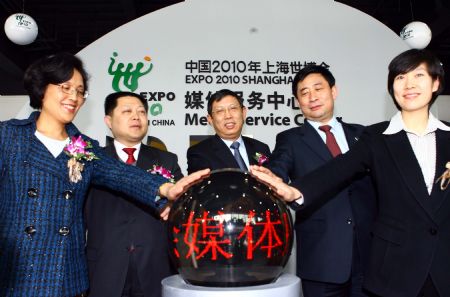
pixel 287 285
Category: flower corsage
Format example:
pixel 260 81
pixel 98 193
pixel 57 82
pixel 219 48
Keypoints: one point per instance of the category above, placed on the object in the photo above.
pixel 164 172
pixel 445 177
pixel 76 149
pixel 260 158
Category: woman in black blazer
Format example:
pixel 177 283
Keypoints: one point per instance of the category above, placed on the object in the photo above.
pixel 410 253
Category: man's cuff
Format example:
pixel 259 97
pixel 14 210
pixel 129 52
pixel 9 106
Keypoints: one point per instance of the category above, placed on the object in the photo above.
pixel 299 201
pixel 297 204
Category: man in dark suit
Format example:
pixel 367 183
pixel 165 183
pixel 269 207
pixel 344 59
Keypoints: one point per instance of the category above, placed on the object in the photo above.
pixel 333 238
pixel 228 148
pixel 126 242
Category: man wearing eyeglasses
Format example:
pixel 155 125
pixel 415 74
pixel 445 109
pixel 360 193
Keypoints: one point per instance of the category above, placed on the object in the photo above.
pixel 228 148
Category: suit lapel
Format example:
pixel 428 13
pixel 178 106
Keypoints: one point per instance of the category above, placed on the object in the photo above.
pixel 39 156
pixel 251 151
pixel 351 135
pixel 403 157
pixel 442 157
pixel 223 152
pixel 312 139
pixel 110 150
pixel 147 158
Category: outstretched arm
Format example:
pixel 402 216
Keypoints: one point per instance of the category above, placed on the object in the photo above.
pixel 173 191
pixel 283 190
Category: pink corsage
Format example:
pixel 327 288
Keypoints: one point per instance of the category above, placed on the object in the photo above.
pixel 445 177
pixel 164 172
pixel 76 149
pixel 260 158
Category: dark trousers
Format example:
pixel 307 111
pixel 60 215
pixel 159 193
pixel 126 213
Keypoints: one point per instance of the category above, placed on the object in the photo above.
pixel 132 287
pixel 351 288
pixel 428 290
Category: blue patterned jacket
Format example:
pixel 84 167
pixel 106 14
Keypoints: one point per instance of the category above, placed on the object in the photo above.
pixel 42 237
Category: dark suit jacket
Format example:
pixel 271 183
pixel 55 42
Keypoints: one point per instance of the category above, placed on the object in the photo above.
pixel 114 223
pixel 325 232
pixel 214 154
pixel 42 236
pixel 411 233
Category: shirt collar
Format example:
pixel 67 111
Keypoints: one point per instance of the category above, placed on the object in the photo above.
pixel 229 142
pixel 119 146
pixel 396 124
pixel 435 124
pixel 333 123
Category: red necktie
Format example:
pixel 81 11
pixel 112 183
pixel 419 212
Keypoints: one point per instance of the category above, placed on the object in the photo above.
pixel 130 151
pixel 331 141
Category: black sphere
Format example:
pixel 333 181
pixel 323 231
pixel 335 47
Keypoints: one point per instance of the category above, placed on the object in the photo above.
pixel 230 230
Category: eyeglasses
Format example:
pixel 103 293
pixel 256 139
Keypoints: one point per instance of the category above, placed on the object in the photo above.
pixel 69 90
pixel 232 110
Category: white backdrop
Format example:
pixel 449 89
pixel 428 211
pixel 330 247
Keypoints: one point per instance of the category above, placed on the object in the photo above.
pixel 257 45
pixel 242 41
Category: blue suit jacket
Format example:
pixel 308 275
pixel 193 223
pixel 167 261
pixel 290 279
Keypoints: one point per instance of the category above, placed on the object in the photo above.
pixel 115 223
pixel 325 231
pixel 213 153
pixel 411 232
pixel 42 238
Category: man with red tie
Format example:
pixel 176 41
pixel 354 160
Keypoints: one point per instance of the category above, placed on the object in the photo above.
pixel 333 239
pixel 127 245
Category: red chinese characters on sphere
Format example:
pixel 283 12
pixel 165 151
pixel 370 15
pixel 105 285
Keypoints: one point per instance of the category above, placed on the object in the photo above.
pixel 230 230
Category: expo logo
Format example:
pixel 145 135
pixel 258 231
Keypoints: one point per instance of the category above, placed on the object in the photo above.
pixel 128 76
pixel 156 108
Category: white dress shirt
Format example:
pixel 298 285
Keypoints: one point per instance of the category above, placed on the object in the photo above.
pixel 124 156
pixel 242 149
pixel 424 146
pixel 54 146
pixel 336 129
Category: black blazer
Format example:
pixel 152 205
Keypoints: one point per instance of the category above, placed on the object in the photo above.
pixel 214 154
pixel 325 231
pixel 412 229
pixel 114 224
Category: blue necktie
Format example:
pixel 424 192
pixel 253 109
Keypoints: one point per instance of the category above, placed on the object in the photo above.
pixel 237 156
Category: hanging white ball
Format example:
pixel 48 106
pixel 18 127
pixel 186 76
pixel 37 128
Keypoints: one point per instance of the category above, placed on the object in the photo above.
pixel 21 29
pixel 416 34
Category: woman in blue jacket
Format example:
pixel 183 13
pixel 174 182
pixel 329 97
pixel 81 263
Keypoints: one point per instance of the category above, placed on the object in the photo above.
pixel 46 166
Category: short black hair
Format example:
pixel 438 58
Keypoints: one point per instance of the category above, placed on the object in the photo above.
pixel 310 69
pixel 219 95
pixel 410 60
pixel 52 69
pixel 111 101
